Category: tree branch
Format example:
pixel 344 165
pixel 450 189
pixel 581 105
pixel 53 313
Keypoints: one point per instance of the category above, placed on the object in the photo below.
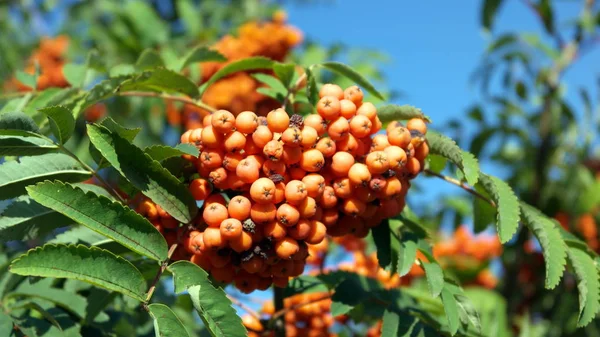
pixel 462 185
pixel 278 322
pixel 244 307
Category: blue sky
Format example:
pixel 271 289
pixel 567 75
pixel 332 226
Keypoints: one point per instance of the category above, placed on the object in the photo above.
pixel 433 48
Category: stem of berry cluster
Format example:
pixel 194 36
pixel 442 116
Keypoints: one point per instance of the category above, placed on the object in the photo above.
pixel 279 322
pixel 462 185
pixel 293 90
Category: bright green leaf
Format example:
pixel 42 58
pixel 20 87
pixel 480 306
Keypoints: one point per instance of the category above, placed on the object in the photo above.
pixel 161 80
pixel 25 219
pixel 311 88
pixel 251 63
pixel 100 214
pixel 407 253
pixel 29 80
pixel 483 213
pixel 186 275
pixel 393 112
pixel 24 143
pixel 507 216
pixel 149 59
pixel 285 72
pixel 202 54
pixel 447 148
pixel 435 277
pixel 391 323
pixel 162 152
pixel 351 74
pixel 92 265
pixel 451 310
pixel 61 121
pixel 488 13
pixel 553 246
pixel 18 121
pixel 588 284
pixel 166 323
pixel 75 74
pixel 144 173
pixel 16 175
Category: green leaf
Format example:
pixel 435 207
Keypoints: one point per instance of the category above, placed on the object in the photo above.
pixel 29 80
pixel 285 72
pixel 24 143
pixel 43 289
pixel 407 253
pixel 483 213
pixel 451 310
pixel 351 74
pixel 161 80
pixel 391 323
pixel 61 121
pixel 201 54
pixel 149 59
pixel 588 284
pixel 162 152
pixel 507 216
pixel 553 245
pixel 25 219
pixel 382 238
pixel 75 73
pixel 251 63
pixel 436 163
pixel 92 265
pixel 488 13
pixel 215 310
pixel 18 121
pixel 144 173
pixel 272 82
pixel 6 323
pixel 103 90
pixel 102 215
pixel 435 277
pixel 339 308
pixel 312 92
pixel 447 148
pixel 546 13
pixel 393 112
pixel 166 323
pixel 78 235
pixel 16 175
pixel 186 275
pixel 468 313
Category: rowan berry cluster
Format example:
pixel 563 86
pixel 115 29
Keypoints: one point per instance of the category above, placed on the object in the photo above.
pixel 50 59
pixel 237 92
pixel 292 181
pixel 304 315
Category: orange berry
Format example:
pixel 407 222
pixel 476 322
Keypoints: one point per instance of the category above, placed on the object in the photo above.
pixel 326 146
pixel 295 192
pixel 235 141
pixel 223 121
pixel 278 120
pixel 211 138
pixel 359 174
pixel 341 163
pixel 317 232
pixel 417 124
pixel 399 136
pixel 377 162
pixel 242 243
pixel 292 137
pixel 246 122
pixel 262 213
pixel 338 129
pixel 273 150
pixel 347 108
pixel 231 228
pixel 231 161
pixel 262 136
pixel 291 155
pixel 360 126
pixel 316 122
pixel 274 230
pixel 247 171
pixel 307 208
pixel 328 198
pixel 214 214
pixel 262 190
pixel 301 230
pixel 328 107
pixel 239 207
pixel 312 160
pixel 353 206
pixel 329 89
pixel 288 215
pixel 396 157
pixel 309 137
pixel 354 94
pixel 212 238
pixel 367 109
pixel 286 247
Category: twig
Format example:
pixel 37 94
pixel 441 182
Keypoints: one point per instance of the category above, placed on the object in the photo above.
pixel 161 270
pixel 183 99
pixel 14 94
pixel 462 185
pixel 244 307
pixel 95 173
pixel 293 90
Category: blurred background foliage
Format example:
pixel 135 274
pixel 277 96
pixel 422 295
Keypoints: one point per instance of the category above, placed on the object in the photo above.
pixel 523 125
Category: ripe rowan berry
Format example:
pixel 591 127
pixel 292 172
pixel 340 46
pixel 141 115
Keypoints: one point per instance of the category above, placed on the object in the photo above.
pixel 223 121
pixel 329 89
pixel 246 122
pixel 278 120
